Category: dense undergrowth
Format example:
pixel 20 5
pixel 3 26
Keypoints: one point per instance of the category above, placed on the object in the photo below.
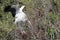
pixel 43 28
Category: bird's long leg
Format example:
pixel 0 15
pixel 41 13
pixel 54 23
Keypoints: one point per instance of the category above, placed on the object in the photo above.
pixel 30 27
pixel 15 29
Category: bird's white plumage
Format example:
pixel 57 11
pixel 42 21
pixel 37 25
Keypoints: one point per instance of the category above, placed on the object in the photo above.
pixel 20 15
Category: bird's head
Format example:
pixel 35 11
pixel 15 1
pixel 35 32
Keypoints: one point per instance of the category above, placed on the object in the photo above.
pixel 10 9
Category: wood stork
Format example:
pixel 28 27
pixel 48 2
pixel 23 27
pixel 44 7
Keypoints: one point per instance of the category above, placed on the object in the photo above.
pixel 18 13
pixel 20 16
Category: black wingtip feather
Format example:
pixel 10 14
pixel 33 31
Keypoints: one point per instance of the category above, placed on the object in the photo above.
pixel 7 8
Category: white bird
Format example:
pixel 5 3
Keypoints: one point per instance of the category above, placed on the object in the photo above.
pixel 18 13
pixel 21 16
